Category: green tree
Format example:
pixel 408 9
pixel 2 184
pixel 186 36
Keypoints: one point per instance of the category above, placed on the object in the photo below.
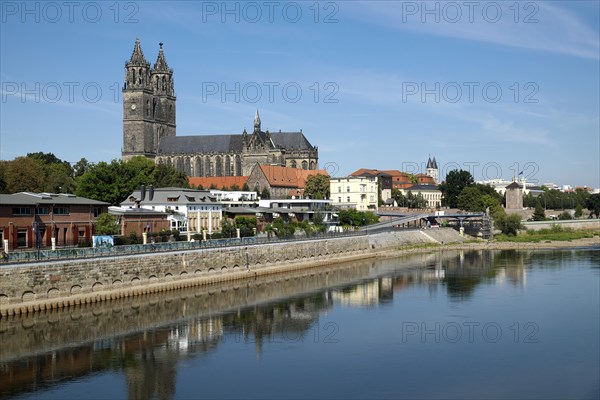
pixel 265 194
pixel 356 218
pixel 106 224
pixel 282 229
pixel 565 215
pixel 539 214
pixel 166 176
pixel 227 229
pixel 24 174
pixel 103 182
pixel 413 179
pixel 470 199
pixel 509 224
pixel 59 178
pixel 456 181
pixel 578 211
pixel 3 185
pixel 593 204
pixel 46 158
pixel 317 187
pixel 318 218
pixel 418 201
pixel 246 225
pixel 113 182
pixel 399 198
pixel 80 167
pixel 245 188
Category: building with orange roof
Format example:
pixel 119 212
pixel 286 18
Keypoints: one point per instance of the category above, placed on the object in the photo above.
pixel 424 179
pixel 218 182
pixel 280 181
pixel 398 180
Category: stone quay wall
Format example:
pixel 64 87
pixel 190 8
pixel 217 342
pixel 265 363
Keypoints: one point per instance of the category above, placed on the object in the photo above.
pixel 38 287
pixel 34 287
pixel 570 224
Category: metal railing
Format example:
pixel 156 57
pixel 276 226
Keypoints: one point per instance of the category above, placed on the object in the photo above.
pixel 43 255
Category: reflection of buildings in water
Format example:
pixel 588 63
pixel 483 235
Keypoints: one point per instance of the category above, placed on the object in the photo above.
pixel 509 266
pixel 515 275
pixel 189 336
pixel 366 294
pixel 287 321
pixel 152 373
pixel 208 320
pixel 40 372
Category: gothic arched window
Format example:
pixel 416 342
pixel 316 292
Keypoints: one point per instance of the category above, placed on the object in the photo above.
pixel 238 165
pixel 218 166
pixel 228 166
pixel 179 164
pixel 304 164
pixel 207 167
pixel 198 167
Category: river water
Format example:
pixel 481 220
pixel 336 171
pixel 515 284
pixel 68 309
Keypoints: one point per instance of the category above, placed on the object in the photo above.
pixel 452 324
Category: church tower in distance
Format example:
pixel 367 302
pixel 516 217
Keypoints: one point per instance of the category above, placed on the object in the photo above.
pixel 148 104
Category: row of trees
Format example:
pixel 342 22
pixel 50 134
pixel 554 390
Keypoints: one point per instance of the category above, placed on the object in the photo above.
pixel 352 217
pixel 40 172
pixel 246 225
pixel 282 229
pixel 110 182
pixel 553 199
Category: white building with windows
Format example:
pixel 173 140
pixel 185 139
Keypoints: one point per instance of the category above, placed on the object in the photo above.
pixel 430 193
pixel 300 209
pixel 189 210
pixel 358 192
pixel 230 198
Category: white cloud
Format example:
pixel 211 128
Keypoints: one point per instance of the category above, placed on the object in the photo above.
pixel 548 28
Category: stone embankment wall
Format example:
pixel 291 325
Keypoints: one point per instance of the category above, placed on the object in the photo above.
pixel 36 287
pixel 571 224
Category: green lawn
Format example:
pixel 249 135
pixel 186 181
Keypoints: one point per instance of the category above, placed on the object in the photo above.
pixel 556 233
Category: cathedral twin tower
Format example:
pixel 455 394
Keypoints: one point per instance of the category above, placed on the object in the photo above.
pixel 149 130
pixel 148 104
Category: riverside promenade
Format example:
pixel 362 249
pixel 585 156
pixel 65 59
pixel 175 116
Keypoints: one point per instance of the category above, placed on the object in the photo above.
pixel 50 285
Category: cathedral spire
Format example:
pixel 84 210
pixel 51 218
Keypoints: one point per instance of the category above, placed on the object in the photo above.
pixel 257 121
pixel 137 56
pixel 161 64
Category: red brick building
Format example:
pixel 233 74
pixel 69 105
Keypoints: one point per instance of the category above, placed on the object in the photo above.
pixel 140 220
pixel 27 219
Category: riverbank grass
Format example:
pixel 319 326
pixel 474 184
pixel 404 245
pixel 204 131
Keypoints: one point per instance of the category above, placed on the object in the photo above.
pixel 556 233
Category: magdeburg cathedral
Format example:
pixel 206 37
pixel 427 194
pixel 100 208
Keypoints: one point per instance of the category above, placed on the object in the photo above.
pixel 149 130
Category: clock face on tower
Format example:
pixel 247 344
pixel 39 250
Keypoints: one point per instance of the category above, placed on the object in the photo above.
pixel 133 106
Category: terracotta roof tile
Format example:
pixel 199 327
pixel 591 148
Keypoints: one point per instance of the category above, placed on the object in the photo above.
pixel 218 181
pixel 279 176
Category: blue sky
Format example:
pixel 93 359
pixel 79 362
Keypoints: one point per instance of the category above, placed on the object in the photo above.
pixel 493 87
